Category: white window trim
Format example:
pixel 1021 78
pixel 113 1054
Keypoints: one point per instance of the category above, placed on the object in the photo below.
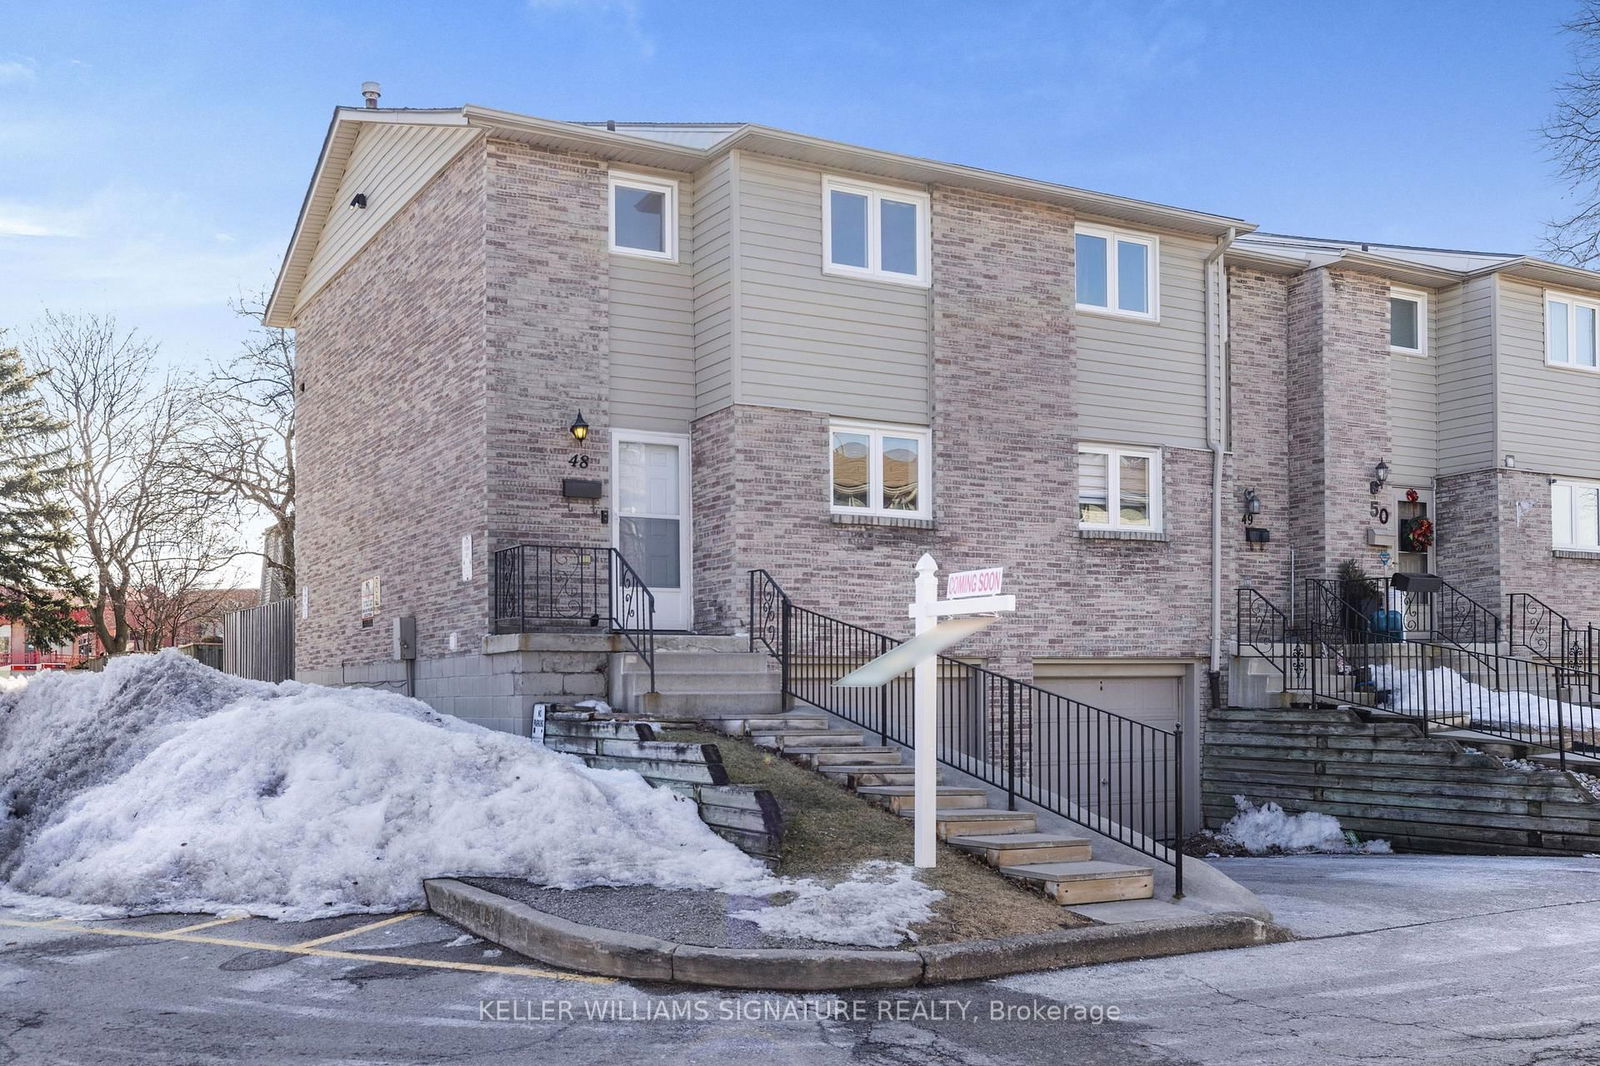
pixel 1420 298
pixel 1113 453
pixel 1573 302
pixel 1111 237
pixel 875 193
pixel 875 432
pixel 669 223
pixel 1563 540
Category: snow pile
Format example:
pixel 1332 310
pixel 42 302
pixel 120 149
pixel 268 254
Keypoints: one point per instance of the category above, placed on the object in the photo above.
pixel 163 785
pixel 876 907
pixel 1267 830
pixel 1442 691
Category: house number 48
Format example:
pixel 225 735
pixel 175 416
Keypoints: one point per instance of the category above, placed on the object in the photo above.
pixel 581 462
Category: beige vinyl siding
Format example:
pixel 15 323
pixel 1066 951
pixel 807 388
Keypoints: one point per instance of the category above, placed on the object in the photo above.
pixel 1141 382
pixel 1463 349
pixel 1549 416
pixel 1414 406
pixel 390 163
pixel 653 333
pixel 814 341
pixel 716 244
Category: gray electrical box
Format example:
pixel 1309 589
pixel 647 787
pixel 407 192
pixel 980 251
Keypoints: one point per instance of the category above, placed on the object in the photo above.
pixel 405 638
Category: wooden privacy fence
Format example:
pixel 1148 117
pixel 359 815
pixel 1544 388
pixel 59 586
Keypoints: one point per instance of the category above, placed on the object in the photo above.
pixel 258 642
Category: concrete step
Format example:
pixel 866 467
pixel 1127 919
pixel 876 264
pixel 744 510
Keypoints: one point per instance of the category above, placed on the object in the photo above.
pixel 808 739
pixel 738 725
pixel 900 798
pixel 692 706
pixel 699 681
pixel 1017 849
pixel 868 774
pixel 981 821
pixel 822 757
pixel 716 662
pixel 670 642
pixel 1087 882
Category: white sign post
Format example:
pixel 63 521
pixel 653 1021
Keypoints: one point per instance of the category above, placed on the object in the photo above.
pixel 974 603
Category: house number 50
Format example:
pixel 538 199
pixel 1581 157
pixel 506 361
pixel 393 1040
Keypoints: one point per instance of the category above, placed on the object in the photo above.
pixel 1380 513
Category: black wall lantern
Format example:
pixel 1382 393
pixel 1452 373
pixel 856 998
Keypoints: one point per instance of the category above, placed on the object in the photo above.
pixel 1380 474
pixel 1252 506
pixel 579 429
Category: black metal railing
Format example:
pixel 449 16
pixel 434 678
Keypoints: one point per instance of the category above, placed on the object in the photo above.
pixel 1544 633
pixel 1267 631
pixel 540 586
pixel 1449 615
pixel 1357 654
pixel 1117 776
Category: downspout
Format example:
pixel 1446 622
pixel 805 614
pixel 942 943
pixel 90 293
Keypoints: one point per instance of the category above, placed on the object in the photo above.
pixel 1215 346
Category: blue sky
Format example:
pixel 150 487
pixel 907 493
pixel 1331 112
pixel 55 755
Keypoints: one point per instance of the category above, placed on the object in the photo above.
pixel 153 155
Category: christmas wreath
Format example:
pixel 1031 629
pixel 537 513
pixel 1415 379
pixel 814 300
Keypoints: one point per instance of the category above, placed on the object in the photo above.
pixel 1418 534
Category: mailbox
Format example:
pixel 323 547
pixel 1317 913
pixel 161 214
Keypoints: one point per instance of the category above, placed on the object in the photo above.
pixel 1417 584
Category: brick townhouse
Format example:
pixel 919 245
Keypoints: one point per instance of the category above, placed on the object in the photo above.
pixel 557 360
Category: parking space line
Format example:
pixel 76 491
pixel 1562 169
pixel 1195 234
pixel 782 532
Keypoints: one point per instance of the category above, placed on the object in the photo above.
pixel 207 925
pixel 331 937
pixel 325 953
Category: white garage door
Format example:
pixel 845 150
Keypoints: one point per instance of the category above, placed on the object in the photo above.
pixel 1123 770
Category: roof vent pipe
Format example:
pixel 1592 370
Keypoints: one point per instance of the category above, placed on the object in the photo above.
pixel 370 90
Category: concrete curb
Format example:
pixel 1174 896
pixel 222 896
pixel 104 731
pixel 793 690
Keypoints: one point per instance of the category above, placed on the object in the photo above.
pixel 611 953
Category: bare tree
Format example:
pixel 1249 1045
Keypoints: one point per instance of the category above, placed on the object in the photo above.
pixel 1573 138
pixel 123 420
pixel 174 596
pixel 239 448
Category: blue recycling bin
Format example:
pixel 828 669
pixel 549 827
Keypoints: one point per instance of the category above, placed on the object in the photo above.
pixel 1388 625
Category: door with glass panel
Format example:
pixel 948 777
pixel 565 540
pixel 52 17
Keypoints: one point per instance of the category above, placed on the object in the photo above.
pixel 651 529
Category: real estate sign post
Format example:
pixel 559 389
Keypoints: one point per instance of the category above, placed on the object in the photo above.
pixel 974 602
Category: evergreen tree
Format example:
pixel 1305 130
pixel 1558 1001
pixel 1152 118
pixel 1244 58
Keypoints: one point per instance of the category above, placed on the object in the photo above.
pixel 37 586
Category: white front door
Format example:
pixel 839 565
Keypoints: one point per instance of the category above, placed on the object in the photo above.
pixel 651 528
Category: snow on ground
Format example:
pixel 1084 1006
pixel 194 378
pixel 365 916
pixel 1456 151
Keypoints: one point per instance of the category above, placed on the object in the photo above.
pixel 1268 830
pixel 878 902
pixel 1443 691
pixel 163 785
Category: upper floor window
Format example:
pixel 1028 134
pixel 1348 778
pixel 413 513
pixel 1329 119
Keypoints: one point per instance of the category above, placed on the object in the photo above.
pixel 1575 514
pixel 644 216
pixel 1117 272
pixel 1570 332
pixel 881 470
pixel 1119 488
pixel 873 232
pixel 1408 321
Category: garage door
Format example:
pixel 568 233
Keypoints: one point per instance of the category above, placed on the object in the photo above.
pixel 1124 769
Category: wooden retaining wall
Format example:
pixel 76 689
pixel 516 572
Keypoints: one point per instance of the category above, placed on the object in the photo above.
pixel 745 816
pixel 1386 780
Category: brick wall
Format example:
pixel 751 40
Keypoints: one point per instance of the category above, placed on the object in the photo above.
pixel 547 353
pixel 1258 308
pixel 390 423
pixel 1570 582
pixel 1468 544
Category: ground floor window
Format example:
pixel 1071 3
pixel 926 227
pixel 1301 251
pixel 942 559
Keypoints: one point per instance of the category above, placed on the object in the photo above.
pixel 1119 487
pixel 1575 514
pixel 879 469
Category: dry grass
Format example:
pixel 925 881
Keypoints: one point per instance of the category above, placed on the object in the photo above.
pixel 828 830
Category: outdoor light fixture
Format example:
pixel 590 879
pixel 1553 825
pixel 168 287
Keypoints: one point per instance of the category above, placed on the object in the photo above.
pixel 1380 475
pixel 1252 506
pixel 359 200
pixel 1511 461
pixel 579 428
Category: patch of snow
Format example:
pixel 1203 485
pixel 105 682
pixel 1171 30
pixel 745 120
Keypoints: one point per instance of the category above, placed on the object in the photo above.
pixel 462 941
pixel 594 705
pixel 492 953
pixel 160 784
pixel 876 907
pixel 1445 692
pixel 1267 829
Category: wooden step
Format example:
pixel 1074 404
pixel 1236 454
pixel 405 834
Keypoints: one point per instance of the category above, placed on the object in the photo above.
pixel 981 820
pixel 855 776
pixel 1087 882
pixel 836 756
pixel 903 797
pixel 1014 849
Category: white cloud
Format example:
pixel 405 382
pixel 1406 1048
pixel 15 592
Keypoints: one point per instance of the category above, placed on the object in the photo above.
pixel 16 71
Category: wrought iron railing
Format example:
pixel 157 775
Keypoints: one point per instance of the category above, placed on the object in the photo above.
pixel 1117 776
pixel 1448 615
pixel 1267 631
pixel 542 585
pixel 1356 655
pixel 1543 632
